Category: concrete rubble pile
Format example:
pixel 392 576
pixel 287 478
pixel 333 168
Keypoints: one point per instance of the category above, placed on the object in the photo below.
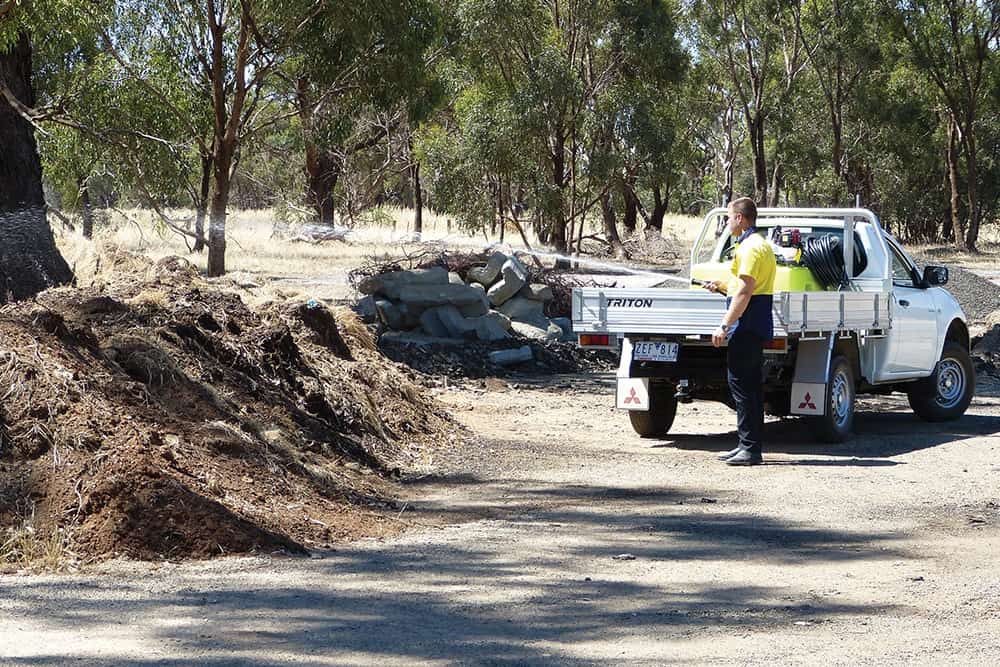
pixel 432 305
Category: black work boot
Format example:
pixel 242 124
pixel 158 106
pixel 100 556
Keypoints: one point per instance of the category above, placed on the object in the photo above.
pixel 745 458
pixel 725 456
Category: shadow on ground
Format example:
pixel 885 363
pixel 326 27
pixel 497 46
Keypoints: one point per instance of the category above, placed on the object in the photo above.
pixel 878 434
pixel 534 591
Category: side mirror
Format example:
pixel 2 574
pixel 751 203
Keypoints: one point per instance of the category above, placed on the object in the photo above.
pixel 935 275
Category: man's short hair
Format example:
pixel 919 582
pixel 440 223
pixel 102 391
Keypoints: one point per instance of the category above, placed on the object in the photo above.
pixel 745 207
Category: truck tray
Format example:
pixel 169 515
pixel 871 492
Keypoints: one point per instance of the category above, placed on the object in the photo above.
pixel 656 310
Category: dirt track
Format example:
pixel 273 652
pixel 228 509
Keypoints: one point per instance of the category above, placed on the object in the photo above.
pixel 885 550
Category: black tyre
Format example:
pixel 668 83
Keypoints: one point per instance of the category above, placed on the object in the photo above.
pixel 655 422
pixel 838 419
pixel 946 394
pixel 778 404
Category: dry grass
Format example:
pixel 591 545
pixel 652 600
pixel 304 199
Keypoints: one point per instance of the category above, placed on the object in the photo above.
pixel 25 549
pixel 987 259
pixel 258 256
pixel 151 298
pixel 685 227
pixel 353 329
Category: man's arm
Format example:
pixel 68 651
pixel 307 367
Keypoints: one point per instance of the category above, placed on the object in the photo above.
pixel 737 307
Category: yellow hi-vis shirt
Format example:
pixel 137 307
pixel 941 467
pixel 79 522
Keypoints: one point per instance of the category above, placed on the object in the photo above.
pixel 755 258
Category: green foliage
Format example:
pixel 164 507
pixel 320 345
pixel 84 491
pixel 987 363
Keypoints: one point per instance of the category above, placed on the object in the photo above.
pixel 543 104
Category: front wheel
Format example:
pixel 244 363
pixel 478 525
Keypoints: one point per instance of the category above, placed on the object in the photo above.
pixel 838 417
pixel 655 422
pixel 946 394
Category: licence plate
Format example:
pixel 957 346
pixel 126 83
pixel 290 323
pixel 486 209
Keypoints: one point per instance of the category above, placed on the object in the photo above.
pixel 649 350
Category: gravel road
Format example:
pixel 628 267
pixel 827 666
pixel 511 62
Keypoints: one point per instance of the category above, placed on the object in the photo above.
pixel 558 537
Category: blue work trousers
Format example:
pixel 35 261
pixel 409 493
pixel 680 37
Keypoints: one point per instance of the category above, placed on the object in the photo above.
pixel 745 359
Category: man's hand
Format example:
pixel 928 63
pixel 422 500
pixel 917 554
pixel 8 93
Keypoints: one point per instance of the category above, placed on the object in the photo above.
pixel 719 336
pixel 715 286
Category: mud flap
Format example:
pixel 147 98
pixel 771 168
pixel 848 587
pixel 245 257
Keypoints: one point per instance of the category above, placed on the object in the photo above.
pixel 812 369
pixel 633 394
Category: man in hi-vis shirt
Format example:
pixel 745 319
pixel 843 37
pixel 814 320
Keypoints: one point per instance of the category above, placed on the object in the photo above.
pixel 747 325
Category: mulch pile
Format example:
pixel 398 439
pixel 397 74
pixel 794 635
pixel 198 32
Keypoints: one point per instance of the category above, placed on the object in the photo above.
pixel 156 415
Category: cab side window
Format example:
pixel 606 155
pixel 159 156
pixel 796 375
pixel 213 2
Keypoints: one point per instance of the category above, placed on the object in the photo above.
pixel 902 272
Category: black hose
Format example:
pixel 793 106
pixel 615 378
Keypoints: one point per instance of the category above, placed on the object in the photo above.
pixel 824 256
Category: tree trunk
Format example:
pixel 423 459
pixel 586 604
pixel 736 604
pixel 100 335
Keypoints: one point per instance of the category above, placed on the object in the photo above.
pixel 86 209
pixel 954 228
pixel 729 150
pixel 559 240
pixel 201 206
pixel 611 226
pixel 659 209
pixel 217 212
pixel 541 229
pixel 630 216
pixel 971 189
pixel 418 199
pixel 776 183
pixel 29 259
pixel 323 172
pixel 322 168
pixel 756 130
pixel 501 212
pixel 837 158
pixel 727 185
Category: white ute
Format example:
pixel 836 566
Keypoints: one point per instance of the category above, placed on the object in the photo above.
pixel 886 327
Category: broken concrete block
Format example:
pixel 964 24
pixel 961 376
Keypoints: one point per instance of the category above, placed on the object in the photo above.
pixel 457 325
pixel 366 310
pixel 428 296
pixel 419 339
pixel 528 330
pixel 479 308
pixel 492 326
pixel 455 279
pixel 537 293
pixel 566 325
pixel 551 332
pixel 487 275
pixel 432 325
pixel 508 357
pixel 525 310
pixel 389 313
pixel 391 284
pixel 515 276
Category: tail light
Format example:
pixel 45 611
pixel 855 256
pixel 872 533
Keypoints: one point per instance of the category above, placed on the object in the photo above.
pixel 779 344
pixel 595 340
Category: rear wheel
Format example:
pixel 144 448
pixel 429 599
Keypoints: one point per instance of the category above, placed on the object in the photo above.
pixel 946 394
pixel 655 422
pixel 838 418
pixel 778 404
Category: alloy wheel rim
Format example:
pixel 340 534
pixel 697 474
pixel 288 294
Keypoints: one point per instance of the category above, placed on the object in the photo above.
pixel 950 383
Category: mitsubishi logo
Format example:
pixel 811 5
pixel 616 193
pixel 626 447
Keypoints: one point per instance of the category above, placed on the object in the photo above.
pixel 808 403
pixel 632 398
